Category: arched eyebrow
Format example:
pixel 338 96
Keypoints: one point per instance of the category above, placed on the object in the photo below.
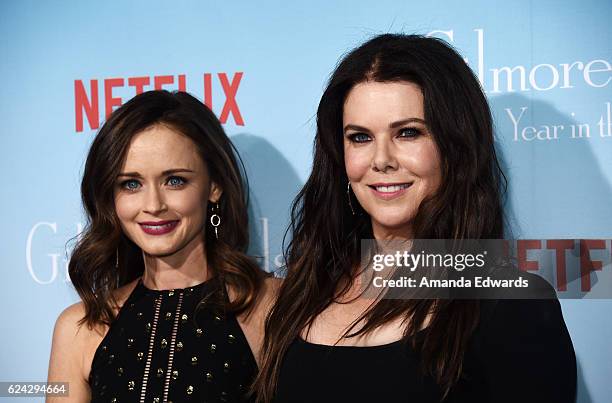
pixel 393 125
pixel 164 173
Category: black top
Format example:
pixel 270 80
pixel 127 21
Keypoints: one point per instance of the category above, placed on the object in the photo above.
pixel 159 350
pixel 520 352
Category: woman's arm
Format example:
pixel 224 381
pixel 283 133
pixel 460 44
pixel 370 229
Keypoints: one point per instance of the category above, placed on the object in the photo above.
pixel 67 355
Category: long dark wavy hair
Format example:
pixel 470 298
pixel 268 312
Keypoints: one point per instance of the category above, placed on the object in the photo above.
pixel 325 248
pixel 93 265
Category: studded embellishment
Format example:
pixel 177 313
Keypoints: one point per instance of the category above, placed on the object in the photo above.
pixel 140 356
pixel 231 338
pixel 156 400
pixel 148 326
pixel 130 342
pixel 160 372
pixel 163 343
pixel 139 315
pixel 189 389
pixel 199 332
pixel 217 319
pixel 175 375
pixel 119 371
pixel 131 385
pixel 168 315
pixel 194 360
pixel 111 358
pixel 184 318
pixel 114 400
pixel 179 346
pixel 209 377
pixel 213 348
pixel 223 397
pixel 170 293
pixel 226 367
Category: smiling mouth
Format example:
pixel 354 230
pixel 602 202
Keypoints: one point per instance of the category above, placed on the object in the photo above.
pixel 158 228
pixel 390 188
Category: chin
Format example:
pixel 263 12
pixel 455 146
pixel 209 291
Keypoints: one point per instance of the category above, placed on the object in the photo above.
pixel 393 223
pixel 159 252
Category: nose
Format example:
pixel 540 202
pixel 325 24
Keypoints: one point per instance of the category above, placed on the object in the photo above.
pixel 384 156
pixel 154 201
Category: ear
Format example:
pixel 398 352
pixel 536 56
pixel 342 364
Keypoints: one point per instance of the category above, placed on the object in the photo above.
pixel 215 193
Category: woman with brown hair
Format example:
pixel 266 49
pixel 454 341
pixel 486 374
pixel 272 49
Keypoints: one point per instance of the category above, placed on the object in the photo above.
pixel 404 150
pixel 170 302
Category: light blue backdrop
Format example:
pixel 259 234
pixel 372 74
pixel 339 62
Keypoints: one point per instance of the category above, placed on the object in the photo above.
pixel 560 188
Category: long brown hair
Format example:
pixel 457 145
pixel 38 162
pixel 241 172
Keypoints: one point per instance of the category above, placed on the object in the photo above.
pixel 325 247
pixel 104 258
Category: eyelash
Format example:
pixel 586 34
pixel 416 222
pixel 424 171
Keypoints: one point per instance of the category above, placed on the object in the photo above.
pixel 353 137
pixel 124 184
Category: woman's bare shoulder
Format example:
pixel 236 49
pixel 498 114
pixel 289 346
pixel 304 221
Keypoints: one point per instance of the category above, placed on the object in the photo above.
pixel 252 322
pixel 71 326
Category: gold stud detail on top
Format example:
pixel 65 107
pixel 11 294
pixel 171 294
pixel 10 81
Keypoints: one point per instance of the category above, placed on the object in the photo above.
pixel 172 345
pixel 145 377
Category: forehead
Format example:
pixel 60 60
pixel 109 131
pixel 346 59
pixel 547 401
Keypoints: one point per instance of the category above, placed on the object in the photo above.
pixel 159 148
pixel 372 101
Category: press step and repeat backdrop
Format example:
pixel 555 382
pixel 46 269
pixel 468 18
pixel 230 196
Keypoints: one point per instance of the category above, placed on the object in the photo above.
pixel 546 67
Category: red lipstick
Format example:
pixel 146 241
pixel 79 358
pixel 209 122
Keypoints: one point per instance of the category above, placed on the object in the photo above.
pixel 158 227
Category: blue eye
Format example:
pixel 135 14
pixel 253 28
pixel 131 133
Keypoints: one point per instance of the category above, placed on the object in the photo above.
pixel 359 137
pixel 176 181
pixel 409 132
pixel 130 184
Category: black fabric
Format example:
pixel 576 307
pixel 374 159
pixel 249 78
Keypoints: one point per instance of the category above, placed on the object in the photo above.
pixel 520 352
pixel 211 359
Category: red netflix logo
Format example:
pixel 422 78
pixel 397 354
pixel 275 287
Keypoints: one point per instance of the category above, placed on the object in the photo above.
pixel 89 106
pixel 582 267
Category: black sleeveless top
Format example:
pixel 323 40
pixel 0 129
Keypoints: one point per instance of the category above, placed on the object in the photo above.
pixel 520 352
pixel 159 350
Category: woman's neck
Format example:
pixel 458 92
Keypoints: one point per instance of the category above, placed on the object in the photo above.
pixel 184 268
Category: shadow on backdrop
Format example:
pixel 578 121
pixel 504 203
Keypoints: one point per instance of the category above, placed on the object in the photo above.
pixel 273 185
pixel 556 189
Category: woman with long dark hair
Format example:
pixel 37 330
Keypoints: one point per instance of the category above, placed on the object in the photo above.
pixel 170 301
pixel 404 150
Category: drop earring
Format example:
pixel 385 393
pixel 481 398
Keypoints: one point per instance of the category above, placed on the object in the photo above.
pixel 215 219
pixel 348 195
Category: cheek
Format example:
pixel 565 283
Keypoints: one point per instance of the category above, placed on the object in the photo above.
pixel 356 163
pixel 425 164
pixel 188 203
pixel 126 207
